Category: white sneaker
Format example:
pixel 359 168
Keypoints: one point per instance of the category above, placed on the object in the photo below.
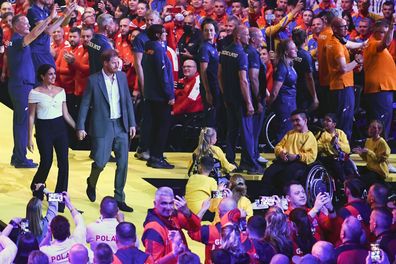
pixel 262 160
pixel 391 168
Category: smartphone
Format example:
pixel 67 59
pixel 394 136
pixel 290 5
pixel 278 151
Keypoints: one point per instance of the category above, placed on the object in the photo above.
pixel 55 197
pixel 375 253
pixel 216 194
pixel 24 224
pixel 175 10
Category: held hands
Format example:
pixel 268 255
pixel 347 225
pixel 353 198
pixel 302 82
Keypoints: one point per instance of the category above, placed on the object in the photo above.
pixel 81 134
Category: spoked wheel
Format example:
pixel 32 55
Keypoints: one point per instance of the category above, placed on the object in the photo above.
pixel 318 180
pixel 271 128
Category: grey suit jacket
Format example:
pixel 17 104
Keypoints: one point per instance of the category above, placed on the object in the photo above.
pixel 96 97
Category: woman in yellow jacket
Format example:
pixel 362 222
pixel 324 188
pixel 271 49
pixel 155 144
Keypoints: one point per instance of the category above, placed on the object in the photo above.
pixel 376 153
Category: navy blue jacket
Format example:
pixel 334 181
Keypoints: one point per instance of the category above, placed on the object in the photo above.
pixel 157 69
pixel 96 47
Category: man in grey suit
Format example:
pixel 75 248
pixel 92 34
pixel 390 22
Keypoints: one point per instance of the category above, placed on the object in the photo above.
pixel 112 119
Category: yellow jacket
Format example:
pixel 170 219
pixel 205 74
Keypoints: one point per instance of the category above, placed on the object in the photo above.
pixel 377 156
pixel 295 143
pixel 326 148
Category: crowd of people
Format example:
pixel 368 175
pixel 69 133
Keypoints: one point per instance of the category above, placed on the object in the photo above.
pixel 111 69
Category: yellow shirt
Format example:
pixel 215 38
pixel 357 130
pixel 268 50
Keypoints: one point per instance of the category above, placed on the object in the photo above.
pixel 198 189
pixel 295 143
pixel 244 203
pixel 326 148
pixel 379 68
pixel 334 51
pixel 220 156
pixel 377 150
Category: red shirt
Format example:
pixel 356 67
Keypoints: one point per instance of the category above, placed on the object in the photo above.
pixel 124 48
pixel 65 72
pixel 188 99
pixel 57 47
pixel 81 67
pixel 174 34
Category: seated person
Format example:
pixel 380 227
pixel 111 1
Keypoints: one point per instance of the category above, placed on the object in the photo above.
pixel 206 146
pixel 333 147
pixel 376 153
pixel 199 188
pixel 187 95
pixel 297 149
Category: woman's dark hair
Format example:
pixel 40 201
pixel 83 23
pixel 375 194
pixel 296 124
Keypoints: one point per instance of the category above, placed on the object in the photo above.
pixel 304 237
pixel 299 36
pixel 42 70
pixel 124 10
pixel 154 32
pixel 26 244
pixel 351 24
pixel 209 21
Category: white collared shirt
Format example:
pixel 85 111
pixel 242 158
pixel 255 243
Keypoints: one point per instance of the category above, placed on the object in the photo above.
pixel 114 95
pixel 102 231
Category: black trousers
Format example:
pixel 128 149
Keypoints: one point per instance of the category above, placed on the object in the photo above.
pixel 161 119
pixel 52 134
pixel 280 173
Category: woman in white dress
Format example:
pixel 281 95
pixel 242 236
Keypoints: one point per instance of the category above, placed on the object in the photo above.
pixel 48 111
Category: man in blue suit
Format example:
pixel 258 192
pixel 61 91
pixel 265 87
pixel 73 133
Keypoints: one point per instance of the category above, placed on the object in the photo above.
pixel 112 120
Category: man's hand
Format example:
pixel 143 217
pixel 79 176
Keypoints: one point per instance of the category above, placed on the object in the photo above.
pixel 181 205
pixel 132 132
pixel 283 155
pixel 291 157
pixel 81 134
pixel 178 246
pixel 321 200
pixel 69 57
pixel 171 102
pixel 54 13
pixel 250 110
pixel 260 108
pixel 66 200
pixel 298 8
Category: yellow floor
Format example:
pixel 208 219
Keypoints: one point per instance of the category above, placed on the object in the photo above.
pixel 15 193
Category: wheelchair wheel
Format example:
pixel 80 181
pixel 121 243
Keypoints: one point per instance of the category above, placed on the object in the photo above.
pixel 271 127
pixel 318 180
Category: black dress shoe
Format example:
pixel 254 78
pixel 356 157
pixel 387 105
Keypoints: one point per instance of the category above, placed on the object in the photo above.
pixel 112 159
pixel 124 207
pixel 91 193
pixel 159 163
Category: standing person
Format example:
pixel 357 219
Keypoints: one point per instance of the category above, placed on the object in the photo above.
pixel 48 111
pixel 112 121
pixel 233 76
pixel 142 151
pixel 341 75
pixel 40 47
pixel 258 83
pixel 379 62
pixel 21 82
pixel 283 94
pixel 158 93
pixel 100 42
pixel 208 65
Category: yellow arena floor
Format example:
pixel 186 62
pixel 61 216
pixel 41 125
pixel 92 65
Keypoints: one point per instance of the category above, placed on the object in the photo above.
pixel 15 193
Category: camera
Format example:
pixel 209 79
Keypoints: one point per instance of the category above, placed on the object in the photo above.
pixel 55 197
pixel 217 194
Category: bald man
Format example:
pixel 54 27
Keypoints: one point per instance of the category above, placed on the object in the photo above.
pixel 78 254
pixel 324 251
pixel 352 250
pixel 341 75
pixel 238 100
pixel 210 234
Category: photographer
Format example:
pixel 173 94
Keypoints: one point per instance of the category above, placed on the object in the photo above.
pixel 58 249
pixel 169 214
pixel 34 221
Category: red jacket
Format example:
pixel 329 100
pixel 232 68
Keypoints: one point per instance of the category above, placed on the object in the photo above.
pixel 65 72
pixel 155 236
pixel 81 70
pixel 210 236
pixel 124 48
pixel 188 100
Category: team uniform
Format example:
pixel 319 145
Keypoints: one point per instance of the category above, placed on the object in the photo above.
pixel 102 231
pixel 99 43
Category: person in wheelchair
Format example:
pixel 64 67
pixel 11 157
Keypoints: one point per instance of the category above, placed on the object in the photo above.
pixel 376 153
pixel 297 149
pixel 206 147
pixel 333 148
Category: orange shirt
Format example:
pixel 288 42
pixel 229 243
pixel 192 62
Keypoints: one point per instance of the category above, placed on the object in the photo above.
pixel 124 48
pixel 65 73
pixel 334 51
pixel 379 68
pixel 392 49
pixel 81 73
pixel 322 60
pixel 57 47
pixel 174 34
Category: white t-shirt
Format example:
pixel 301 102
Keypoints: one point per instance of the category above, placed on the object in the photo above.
pixel 48 107
pixel 102 231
